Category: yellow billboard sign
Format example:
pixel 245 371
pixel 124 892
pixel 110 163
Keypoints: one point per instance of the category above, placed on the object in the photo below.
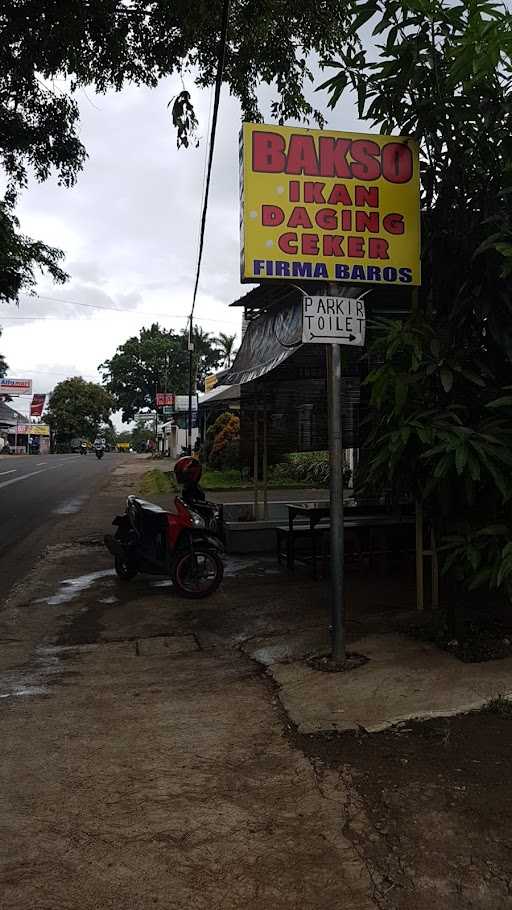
pixel 210 382
pixel 329 206
pixel 32 429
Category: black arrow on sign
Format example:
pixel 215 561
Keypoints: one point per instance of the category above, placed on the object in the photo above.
pixel 338 337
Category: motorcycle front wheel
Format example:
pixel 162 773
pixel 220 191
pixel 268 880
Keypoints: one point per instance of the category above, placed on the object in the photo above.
pixel 197 573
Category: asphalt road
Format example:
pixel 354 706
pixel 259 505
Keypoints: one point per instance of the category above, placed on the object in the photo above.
pixel 36 490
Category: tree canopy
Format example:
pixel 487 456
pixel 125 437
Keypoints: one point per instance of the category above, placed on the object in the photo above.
pixel 79 408
pixel 51 49
pixel 20 257
pixel 3 362
pixel 442 417
pixel 156 360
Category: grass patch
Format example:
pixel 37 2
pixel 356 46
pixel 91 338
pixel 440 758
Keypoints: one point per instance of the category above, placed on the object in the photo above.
pixel 156 482
pixel 231 480
pixel 224 480
pixel 499 705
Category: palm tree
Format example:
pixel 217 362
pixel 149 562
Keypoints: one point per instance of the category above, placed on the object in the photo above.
pixel 226 343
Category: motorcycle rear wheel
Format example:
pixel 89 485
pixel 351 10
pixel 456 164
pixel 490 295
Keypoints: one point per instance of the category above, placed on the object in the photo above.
pixel 197 573
pixel 125 570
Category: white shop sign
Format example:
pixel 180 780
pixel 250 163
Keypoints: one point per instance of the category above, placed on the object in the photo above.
pixel 181 403
pixel 333 320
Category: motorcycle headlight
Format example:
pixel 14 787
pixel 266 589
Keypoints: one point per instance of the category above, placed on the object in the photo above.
pixel 197 521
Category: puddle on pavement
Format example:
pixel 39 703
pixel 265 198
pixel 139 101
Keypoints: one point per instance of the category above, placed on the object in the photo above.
pixel 235 566
pixel 17 691
pixel 70 506
pixel 46 669
pixel 250 565
pixel 109 600
pixel 72 587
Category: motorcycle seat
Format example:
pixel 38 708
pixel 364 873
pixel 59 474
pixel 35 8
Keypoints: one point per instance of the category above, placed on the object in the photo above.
pixel 145 506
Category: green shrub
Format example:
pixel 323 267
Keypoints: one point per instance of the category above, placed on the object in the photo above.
pixel 311 467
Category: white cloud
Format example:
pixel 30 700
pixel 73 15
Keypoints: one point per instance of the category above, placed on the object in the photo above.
pixel 129 229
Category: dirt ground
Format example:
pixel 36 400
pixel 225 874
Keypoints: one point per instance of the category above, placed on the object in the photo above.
pixel 430 809
pixel 146 761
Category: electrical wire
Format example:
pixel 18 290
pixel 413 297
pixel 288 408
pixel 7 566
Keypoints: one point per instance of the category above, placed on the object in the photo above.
pixel 109 309
pixel 216 100
pixel 124 313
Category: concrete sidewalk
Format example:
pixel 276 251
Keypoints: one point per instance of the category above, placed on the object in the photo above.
pixel 403 680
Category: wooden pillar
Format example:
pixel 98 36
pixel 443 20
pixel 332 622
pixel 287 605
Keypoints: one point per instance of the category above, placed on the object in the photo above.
pixel 435 570
pixel 265 457
pixel 419 556
pixel 256 457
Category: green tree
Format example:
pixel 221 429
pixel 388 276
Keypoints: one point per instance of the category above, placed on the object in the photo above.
pixel 78 408
pixel 226 345
pixel 442 407
pixel 155 360
pixel 20 257
pixel 51 50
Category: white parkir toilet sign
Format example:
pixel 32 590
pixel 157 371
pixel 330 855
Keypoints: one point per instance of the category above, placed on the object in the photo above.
pixel 333 320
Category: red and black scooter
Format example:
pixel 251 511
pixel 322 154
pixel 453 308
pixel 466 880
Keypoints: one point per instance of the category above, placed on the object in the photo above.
pixel 185 545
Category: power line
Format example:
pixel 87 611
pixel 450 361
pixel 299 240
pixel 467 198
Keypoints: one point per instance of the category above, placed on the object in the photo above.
pixel 216 101
pixel 140 315
pixel 109 309
pixel 114 309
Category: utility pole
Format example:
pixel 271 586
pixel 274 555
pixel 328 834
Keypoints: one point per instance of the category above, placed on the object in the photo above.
pixel 190 386
pixel 156 419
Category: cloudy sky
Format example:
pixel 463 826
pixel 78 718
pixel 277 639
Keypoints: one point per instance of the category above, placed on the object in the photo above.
pixel 129 229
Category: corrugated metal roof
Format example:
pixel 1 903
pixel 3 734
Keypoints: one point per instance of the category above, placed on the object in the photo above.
pixel 8 416
pixel 220 393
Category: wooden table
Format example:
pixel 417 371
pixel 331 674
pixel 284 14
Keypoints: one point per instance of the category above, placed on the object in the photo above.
pixel 353 519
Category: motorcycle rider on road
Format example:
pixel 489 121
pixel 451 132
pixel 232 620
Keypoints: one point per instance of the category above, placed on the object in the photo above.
pixel 99 447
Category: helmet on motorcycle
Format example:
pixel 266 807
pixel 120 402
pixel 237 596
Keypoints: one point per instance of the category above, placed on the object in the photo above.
pixel 188 470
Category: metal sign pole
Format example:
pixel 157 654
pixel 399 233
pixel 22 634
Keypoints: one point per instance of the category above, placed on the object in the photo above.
pixel 336 503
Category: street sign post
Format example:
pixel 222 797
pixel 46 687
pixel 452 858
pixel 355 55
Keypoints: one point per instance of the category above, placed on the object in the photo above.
pixel 334 320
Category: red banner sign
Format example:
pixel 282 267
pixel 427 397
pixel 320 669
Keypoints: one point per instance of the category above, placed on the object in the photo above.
pixel 36 408
pixel 164 399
